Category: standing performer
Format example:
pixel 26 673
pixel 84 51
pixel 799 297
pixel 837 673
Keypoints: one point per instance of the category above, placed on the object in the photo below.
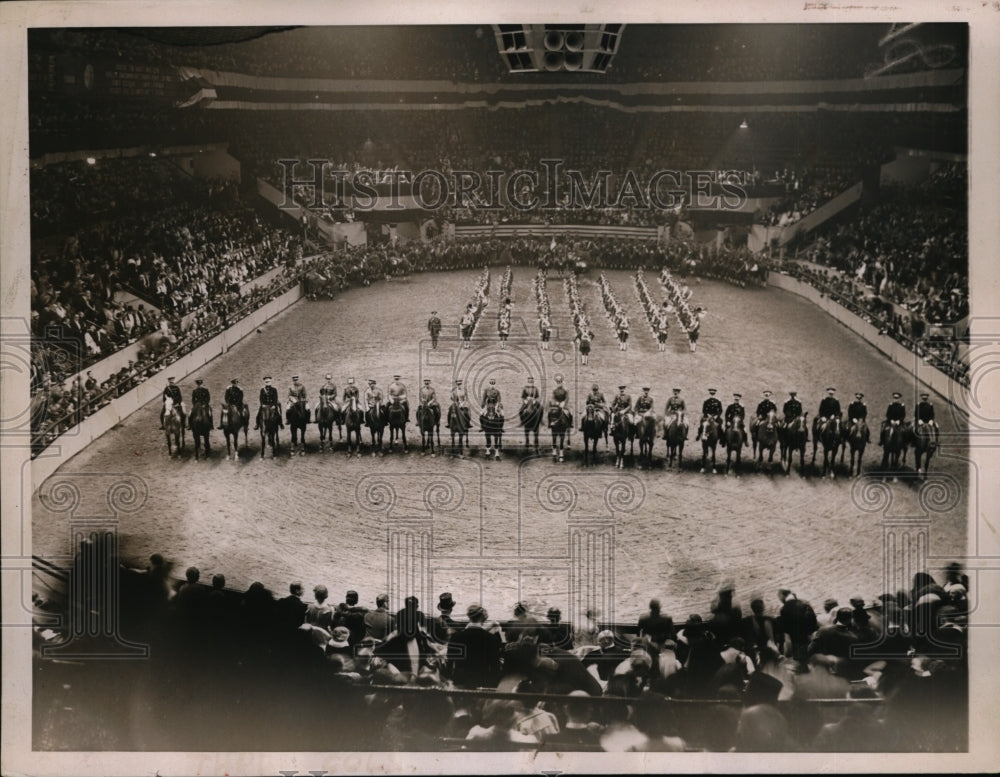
pixel 434 327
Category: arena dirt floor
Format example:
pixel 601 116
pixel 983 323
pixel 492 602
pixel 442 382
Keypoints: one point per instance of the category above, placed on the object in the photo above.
pixel 501 529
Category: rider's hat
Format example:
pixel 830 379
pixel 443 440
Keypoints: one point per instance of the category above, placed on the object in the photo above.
pixel 831 389
pixel 350 380
pixel 427 380
pixel 767 393
pixel 711 391
pixel 924 396
pixel 737 396
pixel 645 388
pixel 235 380
pixel 329 376
pixel 199 381
pixel 295 377
pixel 621 386
pixel 595 387
pixel 434 312
pixel 493 381
pixel 791 393
pixel 559 379
pixel 859 395
pixel 531 379
pixel 677 391
pixel 267 377
pixel 896 395
pixel 372 381
pixel 458 382
pixel 170 379
pixel 395 377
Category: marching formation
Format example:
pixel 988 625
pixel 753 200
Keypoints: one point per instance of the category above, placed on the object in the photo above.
pixel 615 312
pixel 656 315
pixel 544 309
pixel 583 334
pixel 767 428
pixel 503 317
pixel 473 311
pixel 677 301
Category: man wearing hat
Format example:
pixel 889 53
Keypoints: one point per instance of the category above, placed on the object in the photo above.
pixel 736 410
pixel 268 397
pixel 351 395
pixel 201 396
pixel 442 626
pixel 622 403
pixel 857 410
pixel 529 394
pixel 675 410
pixel 233 396
pixel 459 395
pixel 792 408
pixel 428 400
pixel 397 392
pixel 764 407
pixel 296 393
pixel 596 399
pixel 644 404
pixel 557 633
pixel 925 414
pixel 328 390
pixel 560 398
pixel 434 327
pixel 474 652
pixel 173 392
pixel 373 396
pixel 894 413
pixel 710 408
pixel 829 408
pixel 491 396
pixel 91 383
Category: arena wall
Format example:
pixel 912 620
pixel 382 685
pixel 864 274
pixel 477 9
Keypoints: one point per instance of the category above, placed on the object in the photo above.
pixel 929 377
pixel 78 438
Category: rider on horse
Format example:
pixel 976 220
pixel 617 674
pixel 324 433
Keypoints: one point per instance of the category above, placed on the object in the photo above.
pixel 529 394
pixel 397 391
pixel 644 404
pixel 351 395
pixel 560 398
pixel 710 408
pixel 734 411
pixel 596 399
pixel 297 393
pixel 857 410
pixel 764 407
pixel 459 395
pixel 829 408
pixel 201 396
pixel 428 399
pixel 895 412
pixel 925 414
pixel 268 397
pixel 622 403
pixel 792 409
pixel 675 409
pixel 233 396
pixel 373 396
pixel 173 392
pixel 328 390
pixel 491 396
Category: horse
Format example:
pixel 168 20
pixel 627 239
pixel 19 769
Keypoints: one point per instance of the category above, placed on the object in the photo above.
pixel 709 439
pixel 893 444
pixel 491 422
pixel 327 414
pixel 459 421
pixel 734 437
pixel 297 416
pixel 856 437
pixel 766 438
pixel 236 418
pixel 831 438
pixel 559 422
pixel 594 428
pixel 429 420
pixel 646 432
pixel 173 427
pixel 675 434
pixel 794 439
pixel 375 419
pixel 924 446
pixel 622 432
pixel 531 419
pixel 200 422
pixel 397 418
pixel 270 419
pixel 354 418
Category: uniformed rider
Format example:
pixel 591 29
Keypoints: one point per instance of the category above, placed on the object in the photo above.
pixel 202 396
pixel 622 403
pixel 491 396
pixel 675 408
pixel 925 414
pixel 268 398
pixel 857 410
pixel 736 410
pixel 328 390
pixel 352 396
pixel 894 413
pixel 173 392
pixel 373 396
pixel 644 404
pixel 428 399
pixel 233 396
pixel 560 399
pixel 596 399
pixel 829 408
pixel 710 408
pixel 397 391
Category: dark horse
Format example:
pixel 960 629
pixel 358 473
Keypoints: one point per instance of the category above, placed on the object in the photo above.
pixel 560 423
pixel 376 419
pixel 531 419
pixel 270 420
pixel 893 445
pixel 646 432
pixel 831 438
pixel 236 418
pixel 200 422
pixel 327 414
pixel 735 435
pixel 793 438
pixel 675 434
pixel 856 436
pixel 298 418
pixel 709 439
pixel 354 418
pixel 594 428
pixel 459 421
pixel 622 432
pixel 766 438
pixel 491 422
pixel 429 420
pixel 397 417
pixel 924 446
pixel 174 428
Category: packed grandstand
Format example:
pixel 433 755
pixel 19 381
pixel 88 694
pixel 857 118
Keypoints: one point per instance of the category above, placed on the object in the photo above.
pixel 141 254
